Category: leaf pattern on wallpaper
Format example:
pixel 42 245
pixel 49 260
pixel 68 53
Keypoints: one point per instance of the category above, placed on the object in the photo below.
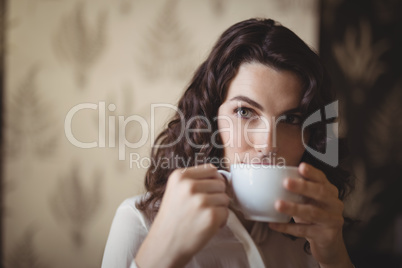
pixel 328 15
pixel 29 124
pixel 359 57
pixel 79 43
pixel 24 253
pixel 385 125
pixel 218 6
pixel 387 12
pixel 166 51
pixel 74 204
pixel 363 206
pixel 125 7
pixel 123 103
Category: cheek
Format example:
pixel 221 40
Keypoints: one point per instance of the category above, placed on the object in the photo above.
pixel 290 144
pixel 231 136
pixel 306 136
pixel 225 131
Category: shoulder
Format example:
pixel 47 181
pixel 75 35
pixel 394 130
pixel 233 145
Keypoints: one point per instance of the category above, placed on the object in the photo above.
pixel 129 229
pixel 130 203
pixel 128 211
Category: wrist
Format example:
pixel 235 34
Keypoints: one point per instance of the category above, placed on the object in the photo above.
pixel 155 255
pixel 343 260
pixel 338 258
pixel 340 265
pixel 159 250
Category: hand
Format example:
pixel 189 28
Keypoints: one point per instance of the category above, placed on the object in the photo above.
pixel 192 210
pixel 319 220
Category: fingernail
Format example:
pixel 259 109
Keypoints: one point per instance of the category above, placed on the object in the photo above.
pixel 277 204
pixel 305 167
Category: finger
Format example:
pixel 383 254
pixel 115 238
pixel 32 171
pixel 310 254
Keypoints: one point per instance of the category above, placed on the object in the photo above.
pixel 201 171
pixel 222 214
pixel 218 200
pixel 203 200
pixel 295 229
pixel 208 186
pixel 309 213
pixel 321 192
pixel 222 178
pixel 311 173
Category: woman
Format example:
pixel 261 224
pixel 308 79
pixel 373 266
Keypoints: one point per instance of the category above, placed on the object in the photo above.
pixel 257 72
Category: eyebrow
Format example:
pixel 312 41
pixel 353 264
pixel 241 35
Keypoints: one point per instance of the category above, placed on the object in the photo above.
pixel 249 101
pixel 259 106
pixel 293 110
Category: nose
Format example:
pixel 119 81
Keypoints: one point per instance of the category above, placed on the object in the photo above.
pixel 267 144
pixel 264 141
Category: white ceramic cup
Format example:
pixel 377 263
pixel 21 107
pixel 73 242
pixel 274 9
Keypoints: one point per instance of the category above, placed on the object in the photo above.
pixel 258 187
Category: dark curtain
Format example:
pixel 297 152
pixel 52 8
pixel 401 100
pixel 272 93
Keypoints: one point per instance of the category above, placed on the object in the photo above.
pixel 361 44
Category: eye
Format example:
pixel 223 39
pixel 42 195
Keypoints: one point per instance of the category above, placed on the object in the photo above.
pixel 243 112
pixel 293 119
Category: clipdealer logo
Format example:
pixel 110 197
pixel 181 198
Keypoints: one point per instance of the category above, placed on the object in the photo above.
pixel 331 154
pixel 329 113
pixel 122 142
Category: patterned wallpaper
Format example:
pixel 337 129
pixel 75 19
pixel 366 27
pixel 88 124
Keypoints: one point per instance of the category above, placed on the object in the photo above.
pixel 114 59
pixel 361 45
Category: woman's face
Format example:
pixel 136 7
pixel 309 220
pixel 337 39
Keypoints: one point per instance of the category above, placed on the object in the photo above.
pixel 260 122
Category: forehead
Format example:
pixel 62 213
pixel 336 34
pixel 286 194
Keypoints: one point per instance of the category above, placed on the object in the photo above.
pixel 273 89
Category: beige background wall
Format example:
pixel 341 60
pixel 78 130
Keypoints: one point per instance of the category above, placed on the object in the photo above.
pixel 60 199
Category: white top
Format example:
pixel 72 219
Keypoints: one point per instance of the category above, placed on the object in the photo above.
pixel 231 247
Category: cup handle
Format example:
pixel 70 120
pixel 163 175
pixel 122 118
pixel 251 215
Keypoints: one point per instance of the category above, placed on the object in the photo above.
pixel 227 175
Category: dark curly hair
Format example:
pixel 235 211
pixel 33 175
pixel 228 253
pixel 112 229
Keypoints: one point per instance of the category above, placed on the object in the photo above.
pixel 254 40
